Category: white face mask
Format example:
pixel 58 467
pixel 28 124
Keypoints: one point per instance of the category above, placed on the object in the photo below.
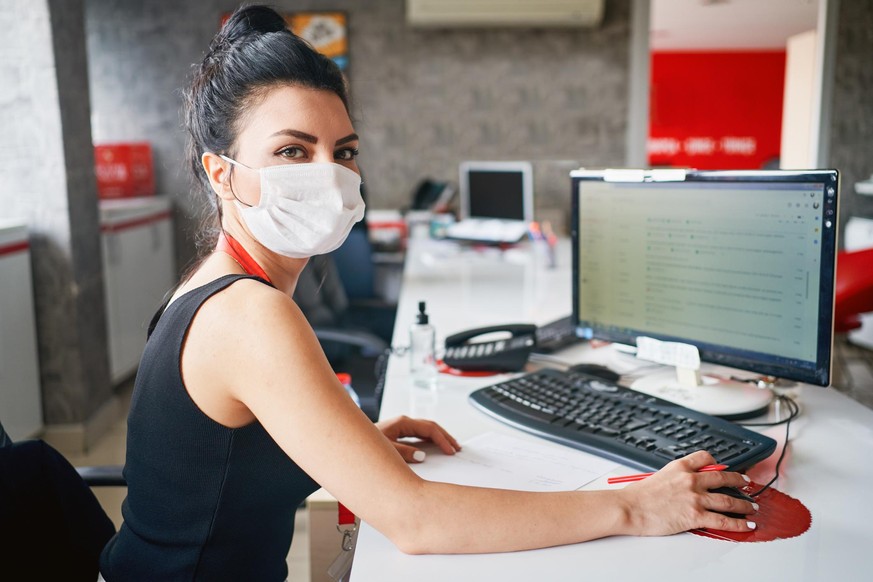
pixel 305 209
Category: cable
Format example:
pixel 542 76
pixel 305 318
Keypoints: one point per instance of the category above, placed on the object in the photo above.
pixel 794 411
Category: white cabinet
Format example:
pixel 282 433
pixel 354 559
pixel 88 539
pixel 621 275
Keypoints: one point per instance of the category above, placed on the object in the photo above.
pixel 20 395
pixel 138 270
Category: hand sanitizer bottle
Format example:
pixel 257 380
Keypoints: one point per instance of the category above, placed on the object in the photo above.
pixel 422 350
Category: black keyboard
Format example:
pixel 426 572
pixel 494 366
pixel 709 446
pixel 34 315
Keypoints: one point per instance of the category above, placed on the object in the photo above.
pixel 556 335
pixel 615 422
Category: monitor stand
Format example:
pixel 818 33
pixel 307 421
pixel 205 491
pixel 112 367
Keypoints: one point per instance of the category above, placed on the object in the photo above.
pixel 713 395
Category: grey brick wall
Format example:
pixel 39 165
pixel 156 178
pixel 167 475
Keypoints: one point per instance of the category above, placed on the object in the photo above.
pixel 851 148
pixel 423 99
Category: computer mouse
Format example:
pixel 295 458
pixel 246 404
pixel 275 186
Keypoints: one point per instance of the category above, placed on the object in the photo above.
pixel 733 492
pixel 597 370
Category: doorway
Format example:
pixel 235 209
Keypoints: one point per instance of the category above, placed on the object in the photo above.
pixel 713 80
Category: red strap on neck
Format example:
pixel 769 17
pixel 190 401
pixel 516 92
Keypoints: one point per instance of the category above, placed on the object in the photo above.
pixel 229 245
pixel 345 517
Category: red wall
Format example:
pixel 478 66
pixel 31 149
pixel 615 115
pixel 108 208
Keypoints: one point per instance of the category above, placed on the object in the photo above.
pixel 716 110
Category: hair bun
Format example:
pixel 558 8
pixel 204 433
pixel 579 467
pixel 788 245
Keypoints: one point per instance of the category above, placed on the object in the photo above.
pixel 247 21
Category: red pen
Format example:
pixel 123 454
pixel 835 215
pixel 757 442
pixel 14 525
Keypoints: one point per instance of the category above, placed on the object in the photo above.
pixel 638 476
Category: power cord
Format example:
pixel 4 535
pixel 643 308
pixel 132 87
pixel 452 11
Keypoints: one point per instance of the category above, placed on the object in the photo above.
pixel 793 412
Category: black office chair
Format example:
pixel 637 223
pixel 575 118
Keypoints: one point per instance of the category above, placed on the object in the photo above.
pixel 348 336
pixel 336 293
pixel 47 507
pixel 357 271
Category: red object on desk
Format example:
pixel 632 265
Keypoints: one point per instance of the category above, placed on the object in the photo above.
pixel 640 476
pixel 444 368
pixel 854 288
pixel 389 230
pixel 779 517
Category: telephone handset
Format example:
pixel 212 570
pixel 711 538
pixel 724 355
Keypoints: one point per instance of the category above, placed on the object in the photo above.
pixel 432 195
pixel 500 355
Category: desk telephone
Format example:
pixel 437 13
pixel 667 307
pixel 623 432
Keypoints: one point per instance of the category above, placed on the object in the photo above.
pixel 500 355
pixel 508 355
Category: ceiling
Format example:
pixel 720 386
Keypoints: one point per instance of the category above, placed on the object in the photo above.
pixel 729 24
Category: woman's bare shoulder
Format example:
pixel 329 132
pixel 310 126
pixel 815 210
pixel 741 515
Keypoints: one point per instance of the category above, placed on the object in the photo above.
pixel 241 337
pixel 250 302
pixel 246 319
pixel 252 292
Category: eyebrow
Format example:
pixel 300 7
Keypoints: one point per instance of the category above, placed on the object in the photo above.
pixel 347 139
pixel 311 138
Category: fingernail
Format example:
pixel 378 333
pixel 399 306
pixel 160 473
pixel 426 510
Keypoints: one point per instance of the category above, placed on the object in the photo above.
pixel 746 477
pixel 755 506
pixel 419 456
pixel 751 524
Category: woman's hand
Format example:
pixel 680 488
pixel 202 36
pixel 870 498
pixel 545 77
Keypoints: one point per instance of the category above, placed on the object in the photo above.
pixel 426 430
pixel 677 498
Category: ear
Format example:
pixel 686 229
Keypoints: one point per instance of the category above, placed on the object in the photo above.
pixel 218 172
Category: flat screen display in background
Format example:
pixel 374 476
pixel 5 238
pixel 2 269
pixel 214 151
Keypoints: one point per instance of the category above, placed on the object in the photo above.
pixel 496 194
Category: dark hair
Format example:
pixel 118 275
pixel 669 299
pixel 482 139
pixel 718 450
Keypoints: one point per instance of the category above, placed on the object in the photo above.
pixel 252 52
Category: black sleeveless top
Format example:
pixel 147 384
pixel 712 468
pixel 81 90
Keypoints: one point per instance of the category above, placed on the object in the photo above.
pixel 204 502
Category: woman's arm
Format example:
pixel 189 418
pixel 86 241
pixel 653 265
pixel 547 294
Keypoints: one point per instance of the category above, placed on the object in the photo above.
pixel 252 346
pixel 457 519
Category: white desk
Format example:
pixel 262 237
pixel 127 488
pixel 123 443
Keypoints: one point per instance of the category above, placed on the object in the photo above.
pixel 828 466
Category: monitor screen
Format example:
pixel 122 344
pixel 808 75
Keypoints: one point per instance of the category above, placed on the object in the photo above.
pixel 500 190
pixel 739 264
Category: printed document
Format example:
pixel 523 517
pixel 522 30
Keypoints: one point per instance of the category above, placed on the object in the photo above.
pixel 506 462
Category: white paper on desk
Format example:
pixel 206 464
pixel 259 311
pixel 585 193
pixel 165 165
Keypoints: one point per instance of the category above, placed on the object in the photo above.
pixel 506 462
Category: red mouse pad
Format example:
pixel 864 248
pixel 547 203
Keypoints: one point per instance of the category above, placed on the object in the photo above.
pixel 779 517
pixel 444 368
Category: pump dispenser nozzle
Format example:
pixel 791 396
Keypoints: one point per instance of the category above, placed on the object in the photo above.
pixel 422 317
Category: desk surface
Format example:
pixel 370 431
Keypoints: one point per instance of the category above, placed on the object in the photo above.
pixel 827 467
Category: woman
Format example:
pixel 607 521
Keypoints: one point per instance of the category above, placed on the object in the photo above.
pixel 236 415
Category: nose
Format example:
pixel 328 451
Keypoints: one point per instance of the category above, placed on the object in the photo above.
pixel 323 156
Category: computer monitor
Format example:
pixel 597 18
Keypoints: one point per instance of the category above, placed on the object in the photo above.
pixel 739 264
pixel 502 190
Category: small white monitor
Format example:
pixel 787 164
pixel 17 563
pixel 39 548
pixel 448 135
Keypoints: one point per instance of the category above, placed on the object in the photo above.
pixel 502 190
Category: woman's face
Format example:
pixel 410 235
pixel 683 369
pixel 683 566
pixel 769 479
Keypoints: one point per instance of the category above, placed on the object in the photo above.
pixel 292 125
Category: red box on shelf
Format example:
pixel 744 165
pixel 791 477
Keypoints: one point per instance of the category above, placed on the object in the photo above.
pixel 124 170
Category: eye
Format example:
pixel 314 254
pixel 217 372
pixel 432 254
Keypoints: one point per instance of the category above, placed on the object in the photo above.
pixel 346 154
pixel 292 152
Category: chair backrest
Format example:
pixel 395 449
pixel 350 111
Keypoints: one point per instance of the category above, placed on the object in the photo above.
pixel 320 292
pixel 46 508
pixel 354 262
pixel 5 441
